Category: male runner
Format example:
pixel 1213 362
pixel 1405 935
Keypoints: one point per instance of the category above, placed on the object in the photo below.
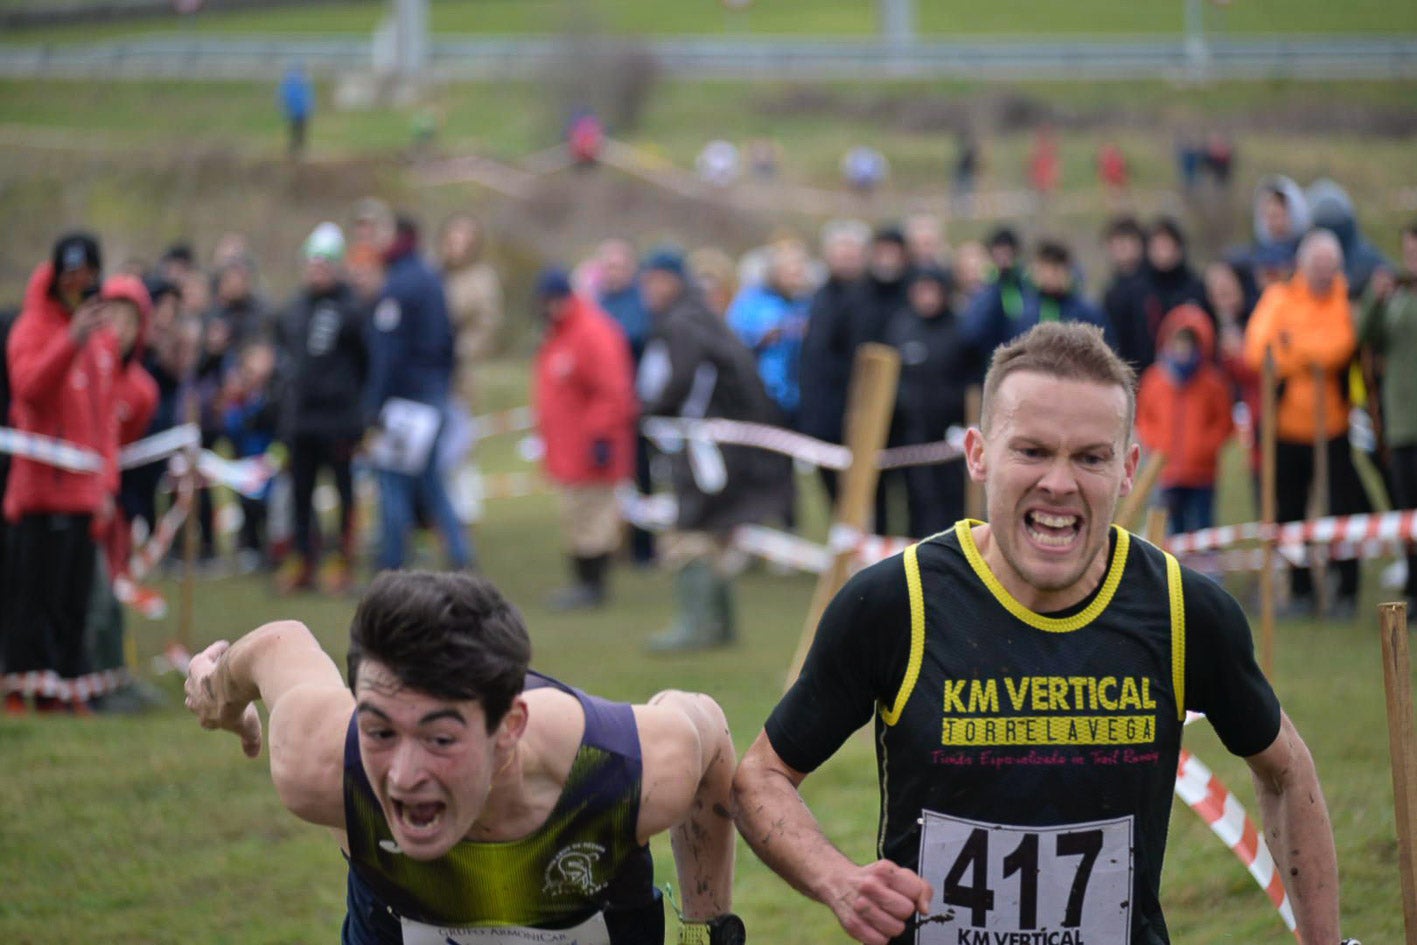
pixel 478 802
pixel 1029 679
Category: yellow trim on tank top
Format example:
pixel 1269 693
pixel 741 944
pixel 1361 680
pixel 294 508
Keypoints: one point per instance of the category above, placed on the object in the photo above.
pixel 1036 620
pixel 917 635
pixel 1178 633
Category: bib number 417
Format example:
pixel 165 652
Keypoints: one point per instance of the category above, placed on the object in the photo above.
pixel 1072 883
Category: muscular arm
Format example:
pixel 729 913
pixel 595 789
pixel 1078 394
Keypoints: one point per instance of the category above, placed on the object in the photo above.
pixel 282 665
pixel 1298 831
pixel 688 772
pixel 872 902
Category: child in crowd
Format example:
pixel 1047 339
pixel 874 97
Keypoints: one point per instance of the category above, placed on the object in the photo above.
pixel 248 417
pixel 1184 412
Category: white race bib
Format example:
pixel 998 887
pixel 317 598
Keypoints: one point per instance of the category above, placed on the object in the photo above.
pixel 404 443
pixel 1072 884
pixel 590 932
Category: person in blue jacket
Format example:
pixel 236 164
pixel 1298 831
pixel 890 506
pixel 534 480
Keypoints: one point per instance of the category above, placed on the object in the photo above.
pixel 1050 294
pixel 297 102
pixel 411 358
pixel 771 319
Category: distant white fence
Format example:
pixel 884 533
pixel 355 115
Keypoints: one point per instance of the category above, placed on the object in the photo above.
pixel 236 57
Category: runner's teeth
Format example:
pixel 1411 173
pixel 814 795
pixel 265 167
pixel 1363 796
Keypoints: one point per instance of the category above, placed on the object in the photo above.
pixel 1054 521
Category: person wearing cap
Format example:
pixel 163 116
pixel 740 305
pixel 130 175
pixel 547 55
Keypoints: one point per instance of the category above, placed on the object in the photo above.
pixel 411 359
pixel 324 363
pixel 63 360
pixel 582 392
pixel 696 368
pixel 934 372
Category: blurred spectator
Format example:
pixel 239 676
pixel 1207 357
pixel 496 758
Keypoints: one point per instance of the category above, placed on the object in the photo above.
pixel 971 272
pixel 585 138
pixel 1125 244
pixel 1049 296
pixel 713 274
pixel 7 322
pixel 177 263
pixel 1308 324
pixel 1165 282
pixel 247 408
pixel 695 367
pixel 999 303
pixel 1190 157
pixel 925 241
pixel 1218 159
pixel 1388 327
pixel 369 218
pixel 325 357
pixel 1281 216
pixel 619 297
pixel 1269 265
pixel 411 359
pixel 764 159
pixel 771 319
pixel 884 291
pixel 966 168
pixel 828 347
pixel 864 169
pixel 1226 298
pixel 127 309
pixel 474 300
pixel 1184 413
pixel 297 104
pixel 231 247
pixel 366 275
pixel 62 360
pixel 1045 167
pixel 137 496
pixel 585 409
pixel 935 370
pixel 718 163
pixel 1332 209
pixel 1112 171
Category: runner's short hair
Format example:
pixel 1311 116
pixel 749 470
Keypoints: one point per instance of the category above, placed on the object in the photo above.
pixel 452 636
pixel 1074 351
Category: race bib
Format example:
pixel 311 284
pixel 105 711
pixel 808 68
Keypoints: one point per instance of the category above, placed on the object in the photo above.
pixel 1001 885
pixel 590 932
pixel 407 431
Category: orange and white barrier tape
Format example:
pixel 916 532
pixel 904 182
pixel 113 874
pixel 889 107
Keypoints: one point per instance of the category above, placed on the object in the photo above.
pixel 1221 810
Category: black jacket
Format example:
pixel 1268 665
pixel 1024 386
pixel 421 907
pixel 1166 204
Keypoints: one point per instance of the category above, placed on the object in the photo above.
pixel 324 364
pixel 1144 301
pixel 827 353
pixel 935 370
pixel 695 367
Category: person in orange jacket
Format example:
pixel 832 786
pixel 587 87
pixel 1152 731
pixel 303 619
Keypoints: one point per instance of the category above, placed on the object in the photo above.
pixel 1308 324
pixel 1184 412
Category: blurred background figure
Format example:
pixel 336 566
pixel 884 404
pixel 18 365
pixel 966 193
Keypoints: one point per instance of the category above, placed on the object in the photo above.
pixel 864 169
pixel 1164 282
pixel 474 291
pixel 583 394
pixel 771 319
pixel 925 241
pixel 297 105
pixel 719 163
pixel 325 366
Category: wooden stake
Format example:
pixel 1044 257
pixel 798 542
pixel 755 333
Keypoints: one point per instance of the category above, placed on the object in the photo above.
pixel 1130 509
pixel 186 605
pixel 1156 525
pixel 1402 744
pixel 1318 506
pixel 973 491
pixel 870 403
pixel 1268 459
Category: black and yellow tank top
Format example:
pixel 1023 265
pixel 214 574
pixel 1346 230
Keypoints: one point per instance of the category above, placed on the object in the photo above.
pixel 586 859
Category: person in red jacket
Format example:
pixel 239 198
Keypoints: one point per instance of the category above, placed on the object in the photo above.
pixel 1185 413
pixel 63 360
pixel 127 310
pixel 586 409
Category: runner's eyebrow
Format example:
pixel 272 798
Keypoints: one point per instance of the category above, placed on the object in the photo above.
pixel 434 716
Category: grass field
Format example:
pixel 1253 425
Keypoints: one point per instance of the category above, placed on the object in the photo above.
pixel 785 17
pixel 150 830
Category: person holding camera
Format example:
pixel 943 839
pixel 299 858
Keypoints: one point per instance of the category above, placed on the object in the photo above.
pixel 63 359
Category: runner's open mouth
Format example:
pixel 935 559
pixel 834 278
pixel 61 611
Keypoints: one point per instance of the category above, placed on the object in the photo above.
pixel 420 816
pixel 1052 529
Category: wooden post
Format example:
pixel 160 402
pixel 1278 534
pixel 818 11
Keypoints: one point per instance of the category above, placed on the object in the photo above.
pixel 870 403
pixel 973 491
pixel 186 604
pixel 1130 509
pixel 1268 458
pixel 1156 525
pixel 1318 505
pixel 1402 744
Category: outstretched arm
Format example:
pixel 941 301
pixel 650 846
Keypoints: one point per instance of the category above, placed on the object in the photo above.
pixel 872 903
pixel 282 665
pixel 688 777
pixel 1298 831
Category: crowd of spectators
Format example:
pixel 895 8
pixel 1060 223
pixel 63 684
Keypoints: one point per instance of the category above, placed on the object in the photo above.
pixel 377 354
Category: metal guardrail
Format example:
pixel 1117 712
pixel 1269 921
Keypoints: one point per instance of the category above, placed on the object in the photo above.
pixel 233 57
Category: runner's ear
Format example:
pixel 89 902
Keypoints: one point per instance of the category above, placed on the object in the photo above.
pixel 974 454
pixel 1129 469
pixel 513 725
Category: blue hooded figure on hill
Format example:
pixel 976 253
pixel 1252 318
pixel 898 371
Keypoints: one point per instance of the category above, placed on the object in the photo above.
pixel 297 102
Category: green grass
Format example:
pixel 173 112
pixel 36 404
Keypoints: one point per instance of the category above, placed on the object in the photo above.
pixel 942 18
pixel 151 830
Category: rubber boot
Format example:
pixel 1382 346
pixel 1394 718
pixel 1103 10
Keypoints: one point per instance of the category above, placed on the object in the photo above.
pixel 587 590
pixel 696 624
pixel 724 612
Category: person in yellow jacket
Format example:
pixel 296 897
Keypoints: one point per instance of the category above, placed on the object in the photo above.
pixel 1308 324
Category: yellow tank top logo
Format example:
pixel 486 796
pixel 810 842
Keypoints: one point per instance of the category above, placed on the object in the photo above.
pixel 972 711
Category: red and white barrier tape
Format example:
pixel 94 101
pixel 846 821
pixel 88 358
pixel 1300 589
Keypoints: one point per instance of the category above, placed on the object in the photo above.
pixel 146 558
pixel 50 684
pixel 669 433
pixel 159 446
pixel 49 451
pixel 1222 811
pixel 1362 533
